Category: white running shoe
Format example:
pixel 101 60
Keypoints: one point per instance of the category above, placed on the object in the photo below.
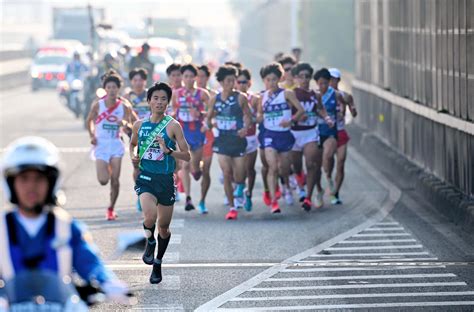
pixel 289 198
pixel 319 199
pixel 332 187
pixel 293 182
pixel 226 201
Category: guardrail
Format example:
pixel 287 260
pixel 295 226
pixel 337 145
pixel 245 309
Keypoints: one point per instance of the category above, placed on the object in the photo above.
pixel 14 68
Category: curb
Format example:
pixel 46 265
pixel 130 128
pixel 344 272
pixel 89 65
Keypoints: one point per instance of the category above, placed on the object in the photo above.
pixel 451 202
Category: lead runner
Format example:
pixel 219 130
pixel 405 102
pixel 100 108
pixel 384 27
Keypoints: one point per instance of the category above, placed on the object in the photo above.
pixel 156 138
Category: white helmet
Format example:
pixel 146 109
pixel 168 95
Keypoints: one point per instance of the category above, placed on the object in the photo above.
pixel 31 153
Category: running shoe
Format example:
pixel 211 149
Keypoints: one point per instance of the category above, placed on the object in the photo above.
pixel 248 202
pixel 335 200
pixel 177 197
pixel 306 204
pixel 231 215
pixel 278 192
pixel 302 194
pixel 267 199
pixel 156 276
pixel 289 198
pixel 189 204
pixel 139 206
pixel 319 199
pixel 180 186
pixel 226 201
pixel 202 208
pixel 149 253
pixel 301 179
pixel 293 182
pixel 275 207
pixel 332 187
pixel 110 216
pixel 239 202
pixel 239 190
pixel 196 175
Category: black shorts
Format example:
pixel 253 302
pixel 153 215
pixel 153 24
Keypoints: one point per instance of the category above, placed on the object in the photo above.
pixel 323 138
pixel 159 185
pixel 230 145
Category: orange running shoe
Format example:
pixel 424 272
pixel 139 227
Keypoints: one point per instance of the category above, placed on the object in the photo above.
pixel 278 192
pixel 267 198
pixel 110 216
pixel 275 207
pixel 231 215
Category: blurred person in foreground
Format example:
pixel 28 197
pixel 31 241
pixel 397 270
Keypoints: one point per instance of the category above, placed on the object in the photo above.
pixel 35 233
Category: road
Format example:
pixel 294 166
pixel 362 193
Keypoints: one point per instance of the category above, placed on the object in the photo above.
pixel 384 249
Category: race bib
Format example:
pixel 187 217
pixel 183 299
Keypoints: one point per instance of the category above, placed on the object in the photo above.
pixel 273 119
pixel 226 123
pixel 111 129
pixel 154 153
pixel 184 114
pixel 311 119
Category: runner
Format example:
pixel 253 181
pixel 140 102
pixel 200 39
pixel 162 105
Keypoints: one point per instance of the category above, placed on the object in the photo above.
pixel 189 106
pixel 342 136
pixel 174 76
pixel 105 122
pixel 306 135
pixel 232 115
pixel 156 138
pixel 137 97
pixel 288 82
pixel 207 152
pixel 275 112
pixel 331 98
pixel 244 83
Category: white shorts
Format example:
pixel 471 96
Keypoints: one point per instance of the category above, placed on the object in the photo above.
pixel 303 137
pixel 108 149
pixel 252 144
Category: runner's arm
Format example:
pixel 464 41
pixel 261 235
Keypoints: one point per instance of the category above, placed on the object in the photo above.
pixel 205 98
pixel 320 107
pixel 210 112
pixel 93 114
pixel 246 110
pixel 183 152
pixel 134 143
pixel 293 101
pixel 173 105
pixel 350 103
pixel 259 110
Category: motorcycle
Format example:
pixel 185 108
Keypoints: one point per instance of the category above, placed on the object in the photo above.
pixel 32 291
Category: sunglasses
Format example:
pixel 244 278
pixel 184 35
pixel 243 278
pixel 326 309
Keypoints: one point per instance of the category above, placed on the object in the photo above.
pixel 242 81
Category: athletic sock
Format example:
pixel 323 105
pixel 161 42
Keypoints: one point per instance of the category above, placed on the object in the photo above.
pixel 162 245
pixel 149 232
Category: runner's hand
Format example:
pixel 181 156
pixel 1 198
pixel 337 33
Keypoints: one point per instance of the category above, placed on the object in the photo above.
pixel 285 123
pixel 195 113
pixel 304 117
pixel 94 141
pixel 135 161
pixel 353 111
pixel 242 133
pixel 161 141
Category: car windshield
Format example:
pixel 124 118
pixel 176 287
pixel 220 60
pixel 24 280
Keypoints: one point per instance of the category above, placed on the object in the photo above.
pixel 52 60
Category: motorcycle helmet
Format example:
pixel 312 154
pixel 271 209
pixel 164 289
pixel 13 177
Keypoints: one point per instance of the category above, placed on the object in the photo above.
pixel 31 153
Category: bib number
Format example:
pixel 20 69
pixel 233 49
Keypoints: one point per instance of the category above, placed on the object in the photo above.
pixel 154 154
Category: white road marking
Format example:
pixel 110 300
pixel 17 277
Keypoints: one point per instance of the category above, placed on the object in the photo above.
pixel 357 286
pixel 344 296
pixel 175 239
pixel 177 223
pixel 356 306
pixel 394 195
pixel 377 241
pixel 381 235
pixel 357 277
pixel 415 253
pixel 397 266
pixel 377 247
pixel 383 229
pixel 387 223
pixel 137 265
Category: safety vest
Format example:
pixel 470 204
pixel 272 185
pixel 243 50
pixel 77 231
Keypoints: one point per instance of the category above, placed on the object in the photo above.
pixel 60 243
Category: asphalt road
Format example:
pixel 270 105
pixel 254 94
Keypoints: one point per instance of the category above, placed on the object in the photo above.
pixel 384 249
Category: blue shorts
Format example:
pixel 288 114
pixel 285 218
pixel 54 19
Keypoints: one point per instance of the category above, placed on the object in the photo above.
pixel 281 141
pixel 195 138
pixel 260 136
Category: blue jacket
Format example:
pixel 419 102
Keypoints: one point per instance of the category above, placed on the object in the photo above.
pixel 59 246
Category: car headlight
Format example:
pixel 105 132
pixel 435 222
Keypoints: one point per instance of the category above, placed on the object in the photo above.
pixel 34 74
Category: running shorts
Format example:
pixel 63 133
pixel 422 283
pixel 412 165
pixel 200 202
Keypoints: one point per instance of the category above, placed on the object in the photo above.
pixel 195 138
pixel 342 138
pixel 230 145
pixel 281 141
pixel 303 137
pixel 107 149
pixel 252 144
pixel 161 186
pixel 208 142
